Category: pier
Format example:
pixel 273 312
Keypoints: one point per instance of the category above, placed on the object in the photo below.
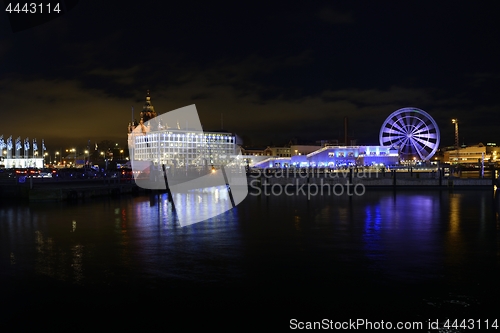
pixel 370 179
pixel 55 189
pixel 47 189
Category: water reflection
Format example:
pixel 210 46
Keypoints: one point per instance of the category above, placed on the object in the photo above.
pixel 77 262
pixel 372 231
pixel 46 262
pixel 201 204
pixel 454 217
pixel 399 236
pixel 404 239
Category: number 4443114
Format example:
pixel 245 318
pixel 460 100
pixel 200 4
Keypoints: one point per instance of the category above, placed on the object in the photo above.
pixel 33 8
pixel 471 323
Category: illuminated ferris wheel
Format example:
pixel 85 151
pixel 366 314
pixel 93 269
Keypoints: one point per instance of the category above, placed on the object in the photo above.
pixel 413 131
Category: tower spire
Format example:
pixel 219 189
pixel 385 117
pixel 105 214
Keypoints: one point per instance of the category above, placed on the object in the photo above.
pixel 148 110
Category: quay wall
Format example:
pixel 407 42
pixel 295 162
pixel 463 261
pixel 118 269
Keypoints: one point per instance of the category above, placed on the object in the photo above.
pixel 375 180
pixel 56 190
pixel 36 190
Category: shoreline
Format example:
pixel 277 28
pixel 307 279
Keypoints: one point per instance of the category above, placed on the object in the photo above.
pixel 40 189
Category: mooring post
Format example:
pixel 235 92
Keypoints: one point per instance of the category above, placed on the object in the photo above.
pixel 169 193
pixel 228 187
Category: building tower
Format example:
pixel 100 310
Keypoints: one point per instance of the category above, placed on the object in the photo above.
pixel 148 110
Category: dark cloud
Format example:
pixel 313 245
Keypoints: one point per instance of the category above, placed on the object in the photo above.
pixel 274 72
pixel 123 76
pixel 332 16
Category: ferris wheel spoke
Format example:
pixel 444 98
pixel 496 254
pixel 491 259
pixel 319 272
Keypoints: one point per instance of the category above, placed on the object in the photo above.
pixel 420 132
pixel 389 139
pixel 425 143
pixel 400 141
pixel 405 123
pixel 393 140
pixel 404 143
pixel 402 118
pixel 427 128
pixel 431 126
pixel 418 145
pixel 425 136
pixel 393 131
pixel 414 122
pixel 394 124
pixel 418 127
pixel 408 120
pixel 395 143
pixel 418 148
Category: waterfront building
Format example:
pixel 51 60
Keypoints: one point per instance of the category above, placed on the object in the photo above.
pixel 256 151
pixel 21 154
pixel 21 162
pixel 493 151
pixel 468 155
pixel 336 157
pixel 178 145
pixel 297 149
pixel 282 151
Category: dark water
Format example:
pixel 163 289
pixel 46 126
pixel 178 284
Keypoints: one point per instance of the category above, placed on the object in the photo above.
pixel 117 262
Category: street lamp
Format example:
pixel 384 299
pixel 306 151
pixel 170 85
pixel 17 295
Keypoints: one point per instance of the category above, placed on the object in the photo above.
pixel 55 157
pixel 455 121
pixel 121 154
pixel 86 157
pixel 73 150
pixel 105 160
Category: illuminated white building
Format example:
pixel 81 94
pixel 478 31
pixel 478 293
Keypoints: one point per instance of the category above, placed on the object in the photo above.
pixel 184 147
pixel 179 146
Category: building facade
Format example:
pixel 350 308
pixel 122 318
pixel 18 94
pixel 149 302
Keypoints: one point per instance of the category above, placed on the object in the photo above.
pixel 18 153
pixel 180 146
pixel 336 157
pixel 467 155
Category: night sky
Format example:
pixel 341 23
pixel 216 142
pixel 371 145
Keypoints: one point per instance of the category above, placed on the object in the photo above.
pixel 274 71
